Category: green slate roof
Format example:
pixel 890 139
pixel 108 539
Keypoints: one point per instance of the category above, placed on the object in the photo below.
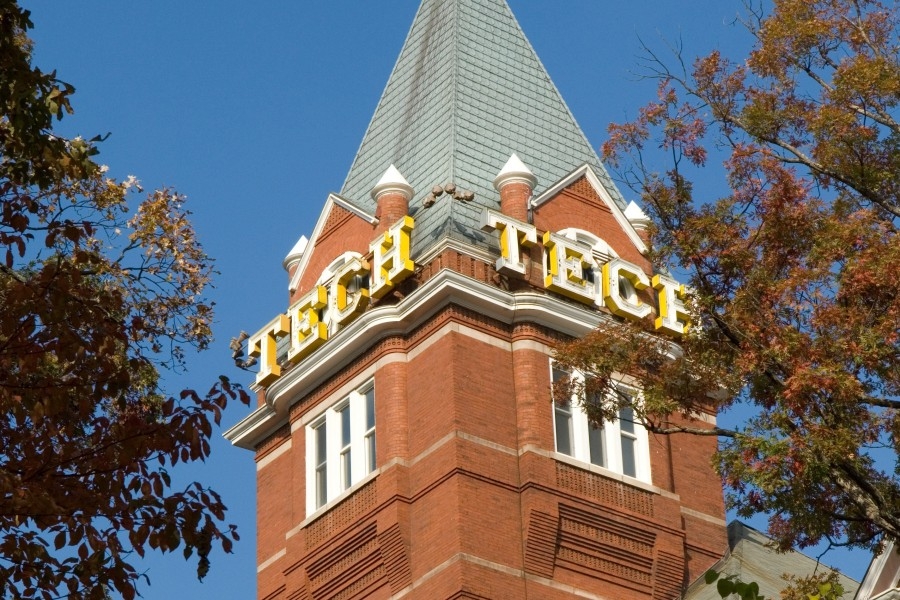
pixel 467 92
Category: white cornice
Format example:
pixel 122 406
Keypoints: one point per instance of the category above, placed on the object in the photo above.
pixel 588 173
pixel 259 424
pixel 445 288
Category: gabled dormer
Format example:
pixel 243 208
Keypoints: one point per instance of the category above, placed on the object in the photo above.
pixel 341 227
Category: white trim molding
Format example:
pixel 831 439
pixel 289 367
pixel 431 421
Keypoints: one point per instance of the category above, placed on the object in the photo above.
pixel 445 288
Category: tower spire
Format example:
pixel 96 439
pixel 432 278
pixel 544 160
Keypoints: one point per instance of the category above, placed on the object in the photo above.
pixel 467 92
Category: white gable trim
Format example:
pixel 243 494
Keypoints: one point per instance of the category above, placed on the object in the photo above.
pixel 332 201
pixel 588 173
pixel 883 570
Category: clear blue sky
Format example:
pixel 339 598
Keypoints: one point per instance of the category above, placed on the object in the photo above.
pixel 255 111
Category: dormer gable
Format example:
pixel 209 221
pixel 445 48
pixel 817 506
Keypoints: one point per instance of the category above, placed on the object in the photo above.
pixel 342 227
pixel 579 200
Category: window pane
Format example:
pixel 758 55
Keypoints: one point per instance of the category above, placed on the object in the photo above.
pixel 558 374
pixel 629 464
pixel 345 426
pixel 370 452
pixel 626 420
pixel 370 409
pixel 321 451
pixel 563 425
pixel 345 469
pixel 321 465
pixel 321 485
pixel 595 439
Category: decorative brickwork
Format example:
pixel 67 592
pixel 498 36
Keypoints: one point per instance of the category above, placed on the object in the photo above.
pixel 344 571
pixel 357 586
pixel 603 490
pixel 622 540
pixel 275 594
pixel 541 544
pixel 396 558
pixel 465 264
pixel 606 546
pixel 343 563
pixel 668 576
pixel 595 564
pixel 301 594
pixel 338 216
pixel 348 511
pixel 585 192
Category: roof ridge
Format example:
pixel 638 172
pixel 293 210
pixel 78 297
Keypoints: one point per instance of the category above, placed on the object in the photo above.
pixel 603 175
pixel 454 116
pixel 384 92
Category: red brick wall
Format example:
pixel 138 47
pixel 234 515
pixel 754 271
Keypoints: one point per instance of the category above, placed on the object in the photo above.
pixel 469 502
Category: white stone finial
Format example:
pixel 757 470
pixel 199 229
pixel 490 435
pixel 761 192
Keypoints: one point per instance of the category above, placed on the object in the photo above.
pixel 637 217
pixel 296 252
pixel 514 171
pixel 392 181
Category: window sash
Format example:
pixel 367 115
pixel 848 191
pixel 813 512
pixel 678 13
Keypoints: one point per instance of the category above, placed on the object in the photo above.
pixel 340 447
pixel 621 446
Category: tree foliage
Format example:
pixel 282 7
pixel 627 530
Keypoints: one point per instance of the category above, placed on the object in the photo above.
pixel 100 292
pixel 796 313
pixel 824 585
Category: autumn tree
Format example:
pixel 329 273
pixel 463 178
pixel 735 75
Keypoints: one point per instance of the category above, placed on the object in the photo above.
pixel 796 314
pixel 101 291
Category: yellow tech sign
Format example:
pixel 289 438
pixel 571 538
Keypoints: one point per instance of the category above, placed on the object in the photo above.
pixel 568 268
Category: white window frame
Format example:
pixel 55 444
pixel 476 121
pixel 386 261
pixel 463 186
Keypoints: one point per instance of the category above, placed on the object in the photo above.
pixel 360 449
pixel 612 435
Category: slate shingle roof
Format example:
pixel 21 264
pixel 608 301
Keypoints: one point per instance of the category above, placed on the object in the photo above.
pixel 467 91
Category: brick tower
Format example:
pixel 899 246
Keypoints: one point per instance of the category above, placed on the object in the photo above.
pixel 406 442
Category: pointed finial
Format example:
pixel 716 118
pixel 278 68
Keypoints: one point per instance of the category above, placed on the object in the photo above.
pixel 392 182
pixel 514 171
pixel 296 252
pixel 637 217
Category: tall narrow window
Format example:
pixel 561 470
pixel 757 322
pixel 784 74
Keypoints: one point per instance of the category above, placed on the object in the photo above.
pixel 346 469
pixel 629 441
pixel 340 447
pixel 370 430
pixel 562 419
pixel 596 437
pixel 620 445
pixel 321 463
pixel 595 441
pixel 564 433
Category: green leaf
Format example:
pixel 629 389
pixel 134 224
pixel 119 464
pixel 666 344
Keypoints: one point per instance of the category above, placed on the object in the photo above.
pixel 710 577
